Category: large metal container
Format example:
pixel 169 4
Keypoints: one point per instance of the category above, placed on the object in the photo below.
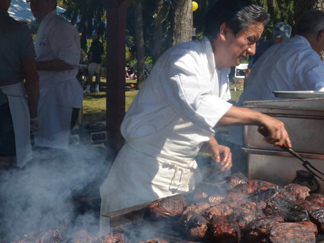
pixel 303 119
pixel 278 166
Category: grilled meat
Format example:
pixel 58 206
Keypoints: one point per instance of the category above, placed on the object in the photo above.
pixel 224 229
pixel 262 185
pixel 196 207
pixel 259 196
pixel 297 191
pixel 236 198
pixel 155 240
pixel 168 207
pixel 242 188
pixel 216 200
pixel 220 210
pixel 246 213
pixel 291 211
pixel 317 199
pixel 50 236
pixel 293 233
pixel 236 179
pixel 258 230
pixel 82 237
pixel 205 190
pixel 315 212
pixel 111 238
pixel 193 226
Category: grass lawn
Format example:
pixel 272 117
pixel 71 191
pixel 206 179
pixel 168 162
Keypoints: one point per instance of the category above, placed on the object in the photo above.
pixel 94 104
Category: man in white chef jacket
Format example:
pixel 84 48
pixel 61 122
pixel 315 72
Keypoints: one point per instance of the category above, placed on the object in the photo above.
pixel 57 48
pixel 18 115
pixel 179 107
pixel 292 65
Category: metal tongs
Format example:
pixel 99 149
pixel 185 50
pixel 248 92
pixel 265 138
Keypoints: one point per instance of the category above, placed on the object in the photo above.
pixel 307 165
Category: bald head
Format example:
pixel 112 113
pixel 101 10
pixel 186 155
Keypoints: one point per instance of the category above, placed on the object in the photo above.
pixel 5 4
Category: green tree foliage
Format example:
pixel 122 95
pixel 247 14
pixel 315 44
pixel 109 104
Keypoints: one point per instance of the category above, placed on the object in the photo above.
pixel 280 11
pixel 89 15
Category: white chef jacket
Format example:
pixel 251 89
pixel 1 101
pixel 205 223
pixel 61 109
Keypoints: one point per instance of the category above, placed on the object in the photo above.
pixel 59 91
pixel 291 65
pixel 175 111
pixel 184 83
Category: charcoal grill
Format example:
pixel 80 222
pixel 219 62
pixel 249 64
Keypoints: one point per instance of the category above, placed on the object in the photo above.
pixel 132 223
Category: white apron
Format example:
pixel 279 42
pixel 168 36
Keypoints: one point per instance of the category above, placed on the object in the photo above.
pixel 55 112
pixel 160 166
pixel 21 121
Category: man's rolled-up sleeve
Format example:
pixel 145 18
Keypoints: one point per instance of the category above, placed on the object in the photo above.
pixel 189 90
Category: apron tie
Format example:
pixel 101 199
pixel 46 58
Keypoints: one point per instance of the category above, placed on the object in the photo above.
pixel 175 182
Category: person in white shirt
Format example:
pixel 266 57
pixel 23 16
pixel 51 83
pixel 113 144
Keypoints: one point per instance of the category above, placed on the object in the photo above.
pixel 292 65
pixel 178 108
pixel 57 48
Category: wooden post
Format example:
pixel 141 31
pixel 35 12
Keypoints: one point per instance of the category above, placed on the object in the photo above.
pixel 115 92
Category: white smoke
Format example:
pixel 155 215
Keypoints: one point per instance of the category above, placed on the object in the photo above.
pixel 41 196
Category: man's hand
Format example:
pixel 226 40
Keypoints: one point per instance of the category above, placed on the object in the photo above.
pixel 220 154
pixel 275 132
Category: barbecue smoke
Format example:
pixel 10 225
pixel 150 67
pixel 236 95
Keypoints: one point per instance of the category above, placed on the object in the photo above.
pixel 49 192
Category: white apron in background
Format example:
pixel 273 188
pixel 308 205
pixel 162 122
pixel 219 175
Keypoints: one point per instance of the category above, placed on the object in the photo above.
pixel 21 121
pixel 55 112
pixel 161 164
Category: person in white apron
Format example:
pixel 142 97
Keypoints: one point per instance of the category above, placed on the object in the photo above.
pixel 178 108
pixel 18 114
pixel 57 47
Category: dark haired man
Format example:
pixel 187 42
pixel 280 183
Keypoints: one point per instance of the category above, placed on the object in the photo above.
pixel 57 47
pixel 17 61
pixel 178 108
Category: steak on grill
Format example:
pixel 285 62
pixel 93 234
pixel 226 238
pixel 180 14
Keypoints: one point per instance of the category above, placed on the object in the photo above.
pixel 291 211
pixel 111 238
pixel 259 229
pixel 315 212
pixel 242 188
pixel 236 179
pixel 204 190
pixel 50 236
pixel 167 208
pixel 293 233
pixel 297 191
pixel 196 207
pixel 155 240
pixel 220 210
pixel 316 198
pixel 246 213
pixel 262 185
pixel 224 229
pixel 193 226
pixel 82 237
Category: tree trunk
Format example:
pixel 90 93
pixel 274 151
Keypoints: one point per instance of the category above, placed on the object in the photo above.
pixel 139 43
pixel 159 26
pixel 158 41
pixel 181 21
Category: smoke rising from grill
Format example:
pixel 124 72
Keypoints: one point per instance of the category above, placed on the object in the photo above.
pixel 41 196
